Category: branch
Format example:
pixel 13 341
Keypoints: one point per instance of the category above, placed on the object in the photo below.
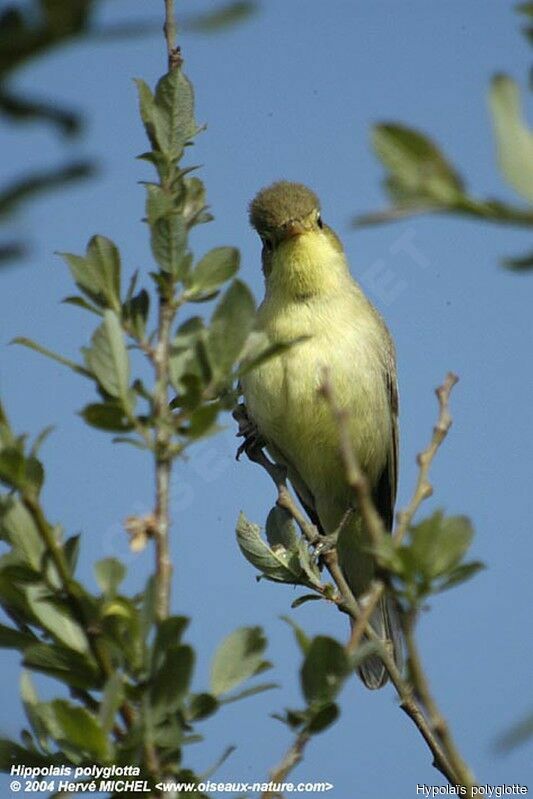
pixel 292 757
pixel 423 488
pixel 436 719
pixel 169 29
pixel 163 458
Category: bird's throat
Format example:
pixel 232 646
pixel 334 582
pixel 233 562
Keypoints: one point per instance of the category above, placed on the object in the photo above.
pixel 306 266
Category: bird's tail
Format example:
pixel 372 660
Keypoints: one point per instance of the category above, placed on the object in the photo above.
pixel 386 623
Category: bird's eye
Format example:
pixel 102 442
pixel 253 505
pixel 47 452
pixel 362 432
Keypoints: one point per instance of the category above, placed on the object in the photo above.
pixel 267 243
pixel 319 222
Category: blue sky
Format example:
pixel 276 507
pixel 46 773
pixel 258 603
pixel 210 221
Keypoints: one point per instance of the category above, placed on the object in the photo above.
pixel 293 94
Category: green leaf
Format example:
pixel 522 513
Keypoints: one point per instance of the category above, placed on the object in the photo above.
pixel 70 667
pixel 460 574
pixel 194 205
pixel 300 636
pixel 147 109
pixel 57 621
pixel 305 598
pixel 81 303
pixel 17 525
pixel 168 239
pixel 174 112
pixel 239 657
pixel 417 167
pixel 135 312
pixel 80 730
pixel 109 572
pixel 32 345
pixel 12 754
pixel 10 638
pixel 201 421
pixel 280 529
pixel 107 416
pixel 31 704
pixel 232 321
pixel 97 274
pixel 108 358
pixel 324 670
pixel 40 439
pixel 112 699
pixel 170 684
pixel 71 548
pixel 281 565
pixel 12 468
pixel 201 706
pixel 439 543
pixel 169 633
pixel 513 139
pixel 322 718
pixel 214 269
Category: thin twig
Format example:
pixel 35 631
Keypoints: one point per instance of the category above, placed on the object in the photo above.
pixel 423 488
pixel 292 757
pixel 436 719
pixel 169 29
pixel 163 458
pixel 377 589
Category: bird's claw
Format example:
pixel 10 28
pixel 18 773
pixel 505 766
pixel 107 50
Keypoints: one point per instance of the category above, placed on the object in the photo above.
pixel 326 544
pixel 248 430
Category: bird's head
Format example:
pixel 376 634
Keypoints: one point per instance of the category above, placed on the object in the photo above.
pixel 288 220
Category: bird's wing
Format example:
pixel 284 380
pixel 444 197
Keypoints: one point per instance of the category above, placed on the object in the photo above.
pixel 385 491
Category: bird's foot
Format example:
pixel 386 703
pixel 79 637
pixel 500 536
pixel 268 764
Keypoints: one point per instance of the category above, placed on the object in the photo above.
pixel 252 442
pixel 325 544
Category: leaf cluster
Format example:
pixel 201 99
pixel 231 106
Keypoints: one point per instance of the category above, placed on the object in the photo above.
pixel 420 179
pixel 432 559
pixel 129 676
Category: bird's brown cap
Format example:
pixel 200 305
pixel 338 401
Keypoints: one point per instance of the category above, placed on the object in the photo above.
pixel 282 202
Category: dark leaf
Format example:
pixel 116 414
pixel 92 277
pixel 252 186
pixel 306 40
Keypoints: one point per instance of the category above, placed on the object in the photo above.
pixel 80 730
pixel 324 670
pixel 169 633
pixel 170 684
pixel 14 639
pixel 323 717
pixel 201 706
pixel 70 667
pixel 107 416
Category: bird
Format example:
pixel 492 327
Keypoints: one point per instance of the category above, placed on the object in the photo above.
pixel 312 299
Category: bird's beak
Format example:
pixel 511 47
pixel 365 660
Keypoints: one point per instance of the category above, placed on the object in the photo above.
pixel 292 229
